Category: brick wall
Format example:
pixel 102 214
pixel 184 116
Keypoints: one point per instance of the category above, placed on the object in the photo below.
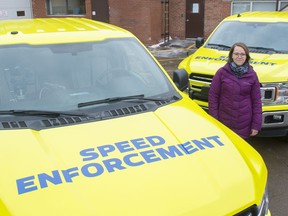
pixel 215 11
pixel 142 18
pixel 88 8
pixel 177 18
pixel 39 8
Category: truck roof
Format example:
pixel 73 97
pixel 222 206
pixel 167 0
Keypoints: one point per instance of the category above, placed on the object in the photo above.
pixel 57 30
pixel 260 16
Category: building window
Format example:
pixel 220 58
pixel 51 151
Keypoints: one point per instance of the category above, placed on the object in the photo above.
pixel 239 7
pixel 65 7
pixel 243 6
pixel 282 5
pixel 264 6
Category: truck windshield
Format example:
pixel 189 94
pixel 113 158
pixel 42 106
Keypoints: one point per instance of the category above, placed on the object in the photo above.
pixel 61 76
pixel 259 36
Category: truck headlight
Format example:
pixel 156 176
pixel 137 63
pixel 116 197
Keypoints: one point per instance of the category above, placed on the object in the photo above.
pixel 274 94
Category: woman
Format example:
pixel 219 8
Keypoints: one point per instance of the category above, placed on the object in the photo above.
pixel 234 95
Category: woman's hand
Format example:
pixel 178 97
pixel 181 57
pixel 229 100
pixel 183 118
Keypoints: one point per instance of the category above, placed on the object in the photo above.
pixel 254 132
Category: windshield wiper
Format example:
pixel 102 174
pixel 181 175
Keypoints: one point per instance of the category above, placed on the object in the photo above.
pixel 218 45
pixel 116 99
pixel 264 49
pixel 39 113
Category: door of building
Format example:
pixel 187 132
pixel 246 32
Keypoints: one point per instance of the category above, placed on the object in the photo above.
pixel 194 18
pixel 100 10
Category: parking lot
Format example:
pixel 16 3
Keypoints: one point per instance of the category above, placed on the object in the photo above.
pixel 274 152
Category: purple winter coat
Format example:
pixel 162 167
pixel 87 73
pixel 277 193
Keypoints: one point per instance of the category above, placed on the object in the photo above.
pixel 236 102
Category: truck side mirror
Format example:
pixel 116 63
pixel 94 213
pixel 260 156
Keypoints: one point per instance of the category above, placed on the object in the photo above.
pixel 199 42
pixel 180 78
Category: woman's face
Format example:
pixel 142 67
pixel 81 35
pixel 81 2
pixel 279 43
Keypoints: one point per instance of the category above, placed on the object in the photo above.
pixel 239 56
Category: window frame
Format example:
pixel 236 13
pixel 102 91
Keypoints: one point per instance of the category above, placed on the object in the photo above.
pixel 77 11
pixel 252 3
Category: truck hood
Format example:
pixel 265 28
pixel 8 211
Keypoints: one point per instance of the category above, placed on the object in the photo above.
pixel 267 66
pixel 167 162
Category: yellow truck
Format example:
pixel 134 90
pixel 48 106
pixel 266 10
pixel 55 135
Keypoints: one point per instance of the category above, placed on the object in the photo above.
pixel 265 34
pixel 91 124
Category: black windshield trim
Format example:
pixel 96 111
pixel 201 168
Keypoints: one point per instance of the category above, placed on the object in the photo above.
pixel 139 97
pixel 40 113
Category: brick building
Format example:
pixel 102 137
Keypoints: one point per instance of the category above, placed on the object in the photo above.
pixel 149 20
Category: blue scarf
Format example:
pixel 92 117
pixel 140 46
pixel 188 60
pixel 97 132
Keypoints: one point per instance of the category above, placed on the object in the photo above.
pixel 238 71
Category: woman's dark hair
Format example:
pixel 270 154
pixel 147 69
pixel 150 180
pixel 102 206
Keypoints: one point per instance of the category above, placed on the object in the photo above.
pixel 240 45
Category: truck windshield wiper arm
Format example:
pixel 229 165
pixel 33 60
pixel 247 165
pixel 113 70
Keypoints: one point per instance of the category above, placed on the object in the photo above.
pixel 265 49
pixel 218 45
pixel 40 113
pixel 115 99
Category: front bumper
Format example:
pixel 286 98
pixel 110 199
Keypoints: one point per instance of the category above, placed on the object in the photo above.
pixel 274 124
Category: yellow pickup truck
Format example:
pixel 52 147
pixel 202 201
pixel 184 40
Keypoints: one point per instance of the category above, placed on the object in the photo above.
pixel 265 34
pixel 91 124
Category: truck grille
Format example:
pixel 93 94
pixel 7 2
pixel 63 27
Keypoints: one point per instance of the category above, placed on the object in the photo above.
pixel 200 86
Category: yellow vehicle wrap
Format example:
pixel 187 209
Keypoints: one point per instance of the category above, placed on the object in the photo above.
pixel 87 130
pixel 264 34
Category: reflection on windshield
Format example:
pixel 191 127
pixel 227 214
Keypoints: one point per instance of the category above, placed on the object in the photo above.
pixel 59 77
pixel 254 34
